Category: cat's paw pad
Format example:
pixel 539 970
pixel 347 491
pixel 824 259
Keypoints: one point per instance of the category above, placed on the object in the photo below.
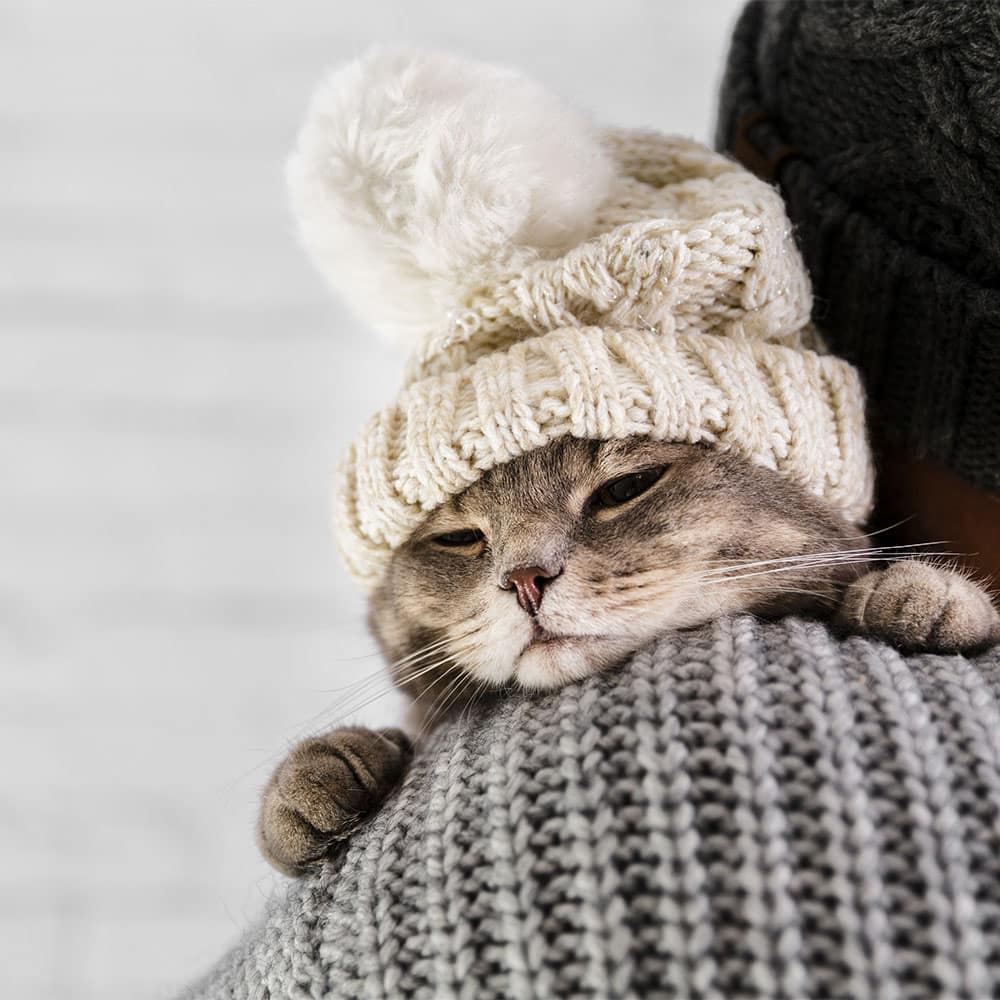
pixel 323 789
pixel 920 607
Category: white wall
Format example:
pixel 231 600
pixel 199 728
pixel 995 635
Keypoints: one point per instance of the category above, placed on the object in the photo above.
pixel 175 385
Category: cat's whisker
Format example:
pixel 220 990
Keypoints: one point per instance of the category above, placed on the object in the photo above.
pixel 360 682
pixel 362 687
pixel 417 667
pixel 375 689
pixel 722 579
pixel 894 551
pixel 860 550
pixel 802 566
pixel 423 651
pixel 471 682
pixel 304 730
pixel 802 562
pixel 434 711
pixel 779 570
pixel 390 684
pixel 734 571
pixel 481 686
pixel 448 698
pixel 355 659
pixel 452 666
pixel 338 716
pixel 421 669
pixel 669 589
pixel 829 563
pixel 882 531
pixel 354 709
pixel 800 558
pixel 909 547
pixel 773 589
pixel 325 720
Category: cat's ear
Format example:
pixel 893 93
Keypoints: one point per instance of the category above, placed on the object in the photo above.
pixel 418 175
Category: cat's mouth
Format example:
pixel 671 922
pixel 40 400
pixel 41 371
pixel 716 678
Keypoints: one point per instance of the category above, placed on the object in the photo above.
pixel 550 659
pixel 542 637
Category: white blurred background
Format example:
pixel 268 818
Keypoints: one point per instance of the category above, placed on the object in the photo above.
pixel 175 386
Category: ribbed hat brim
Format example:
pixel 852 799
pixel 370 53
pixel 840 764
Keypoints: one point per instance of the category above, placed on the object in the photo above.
pixel 792 410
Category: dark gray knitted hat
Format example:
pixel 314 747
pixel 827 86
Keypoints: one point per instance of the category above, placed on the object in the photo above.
pixel 880 121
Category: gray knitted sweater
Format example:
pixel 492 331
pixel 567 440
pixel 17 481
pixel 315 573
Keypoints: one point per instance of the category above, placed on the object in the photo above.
pixel 747 810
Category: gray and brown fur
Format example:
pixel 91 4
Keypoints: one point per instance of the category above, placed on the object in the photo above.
pixel 713 535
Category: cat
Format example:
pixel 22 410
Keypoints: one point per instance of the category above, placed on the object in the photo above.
pixel 561 563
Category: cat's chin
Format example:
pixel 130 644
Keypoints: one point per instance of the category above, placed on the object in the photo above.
pixel 559 661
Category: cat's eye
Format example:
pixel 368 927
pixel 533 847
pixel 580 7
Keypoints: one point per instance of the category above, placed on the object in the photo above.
pixel 459 539
pixel 625 488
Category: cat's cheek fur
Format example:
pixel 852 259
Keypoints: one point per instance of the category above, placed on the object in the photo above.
pixel 675 605
pixel 702 544
pixel 501 639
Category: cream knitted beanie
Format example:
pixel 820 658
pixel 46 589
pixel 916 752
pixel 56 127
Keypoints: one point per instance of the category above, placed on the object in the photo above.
pixel 555 279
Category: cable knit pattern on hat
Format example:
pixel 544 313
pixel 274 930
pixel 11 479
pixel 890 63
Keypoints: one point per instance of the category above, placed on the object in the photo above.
pixel 661 294
pixel 745 811
pixel 795 411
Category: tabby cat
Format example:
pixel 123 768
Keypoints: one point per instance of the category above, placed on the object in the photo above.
pixel 564 561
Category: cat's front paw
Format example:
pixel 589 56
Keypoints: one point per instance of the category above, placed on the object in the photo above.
pixel 323 789
pixel 920 607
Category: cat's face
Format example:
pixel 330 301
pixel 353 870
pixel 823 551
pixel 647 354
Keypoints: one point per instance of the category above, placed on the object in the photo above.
pixel 564 561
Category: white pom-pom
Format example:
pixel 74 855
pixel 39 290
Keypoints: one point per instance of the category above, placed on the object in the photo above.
pixel 419 175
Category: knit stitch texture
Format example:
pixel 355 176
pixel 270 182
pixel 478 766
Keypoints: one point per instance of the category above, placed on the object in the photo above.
pixel 748 810
pixel 651 287
pixel 679 309
pixel 882 121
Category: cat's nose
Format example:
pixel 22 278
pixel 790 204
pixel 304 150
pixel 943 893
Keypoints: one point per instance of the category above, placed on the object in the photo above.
pixel 529 582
